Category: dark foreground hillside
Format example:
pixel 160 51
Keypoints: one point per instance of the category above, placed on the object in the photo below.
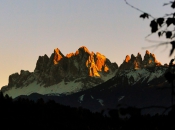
pixel 26 114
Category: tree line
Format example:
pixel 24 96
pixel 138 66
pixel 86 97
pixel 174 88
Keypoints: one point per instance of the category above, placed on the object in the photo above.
pixel 27 114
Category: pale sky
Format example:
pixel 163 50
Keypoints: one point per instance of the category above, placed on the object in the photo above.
pixel 32 28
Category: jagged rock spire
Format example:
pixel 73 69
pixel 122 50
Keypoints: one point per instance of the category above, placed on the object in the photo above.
pixel 127 59
pixel 137 63
pixel 150 60
pixel 57 56
pixel 82 63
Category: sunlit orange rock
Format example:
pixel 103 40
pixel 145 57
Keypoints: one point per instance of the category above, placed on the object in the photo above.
pixel 83 68
pixel 147 52
pixel 157 63
pixel 93 71
pixel 70 55
pixel 106 69
pixel 94 63
pixel 100 61
pixel 150 60
pixel 127 59
pixel 83 48
pixel 57 56
pixel 137 63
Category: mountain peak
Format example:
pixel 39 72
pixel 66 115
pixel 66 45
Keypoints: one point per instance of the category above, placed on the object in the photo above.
pixel 150 60
pixel 57 56
pixel 147 52
pixel 100 55
pixel 82 49
pixel 70 55
pixel 138 54
pixel 127 59
pixel 76 71
pixel 57 50
pixel 137 63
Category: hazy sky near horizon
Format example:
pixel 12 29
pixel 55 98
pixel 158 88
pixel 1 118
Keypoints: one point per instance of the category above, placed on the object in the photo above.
pixel 32 28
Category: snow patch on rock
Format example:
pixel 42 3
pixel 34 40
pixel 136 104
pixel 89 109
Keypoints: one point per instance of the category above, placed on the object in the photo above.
pixel 81 97
pixel 100 101
pixel 142 74
pixel 57 89
pixel 120 98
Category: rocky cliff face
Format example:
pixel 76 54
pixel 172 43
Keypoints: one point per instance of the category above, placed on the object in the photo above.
pixel 59 74
pixel 136 62
pixel 83 67
pixel 82 63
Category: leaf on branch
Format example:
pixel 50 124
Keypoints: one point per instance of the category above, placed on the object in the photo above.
pixel 169 21
pixel 173 5
pixel 144 15
pixel 154 26
pixel 166 4
pixel 160 21
pixel 173 47
pixel 173 20
pixel 159 34
pixel 168 34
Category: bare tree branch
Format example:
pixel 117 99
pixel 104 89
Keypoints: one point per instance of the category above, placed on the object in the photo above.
pixel 156 46
pixel 137 8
